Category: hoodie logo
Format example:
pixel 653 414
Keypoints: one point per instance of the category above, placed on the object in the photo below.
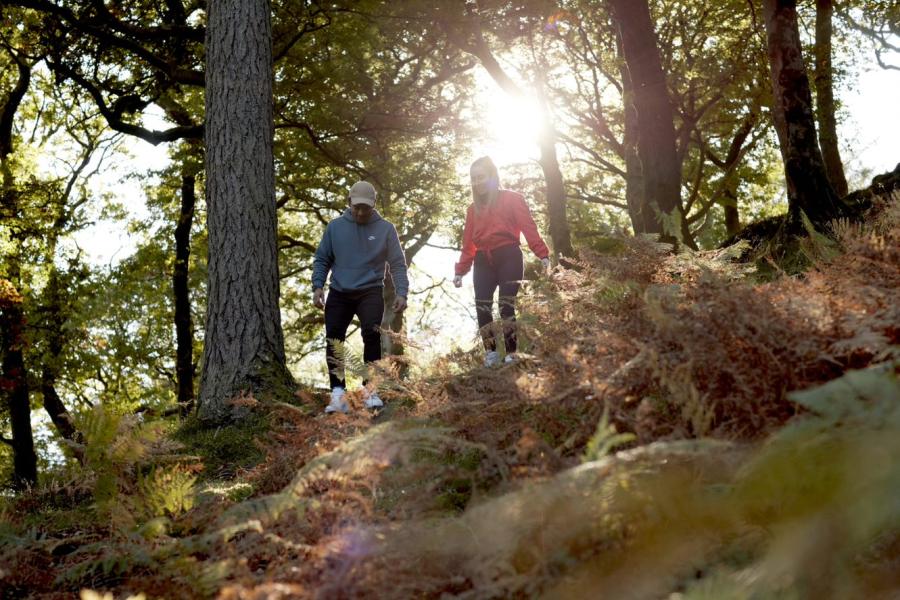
pixel 371 237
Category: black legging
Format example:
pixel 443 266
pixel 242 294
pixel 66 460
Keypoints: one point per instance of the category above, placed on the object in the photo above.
pixel 501 267
pixel 340 308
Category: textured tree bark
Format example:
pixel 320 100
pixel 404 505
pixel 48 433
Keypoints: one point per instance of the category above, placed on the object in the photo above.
pixel 808 188
pixel 244 342
pixel 825 109
pixel 642 218
pixel 184 327
pixel 660 167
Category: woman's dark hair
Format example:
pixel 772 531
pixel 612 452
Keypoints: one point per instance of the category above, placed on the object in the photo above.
pixel 488 165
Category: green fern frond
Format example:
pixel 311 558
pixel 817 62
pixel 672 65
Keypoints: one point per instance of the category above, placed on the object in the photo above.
pixel 605 439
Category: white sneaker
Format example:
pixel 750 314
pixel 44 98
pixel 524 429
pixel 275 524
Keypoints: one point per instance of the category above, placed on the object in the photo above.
pixel 491 358
pixel 373 401
pixel 509 358
pixel 337 404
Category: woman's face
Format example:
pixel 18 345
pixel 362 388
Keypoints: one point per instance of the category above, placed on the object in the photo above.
pixel 481 180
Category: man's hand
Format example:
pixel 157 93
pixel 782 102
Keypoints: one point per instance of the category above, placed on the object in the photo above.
pixel 399 304
pixel 545 262
pixel 457 281
pixel 319 298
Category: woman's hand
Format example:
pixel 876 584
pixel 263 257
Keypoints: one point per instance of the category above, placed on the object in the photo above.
pixel 457 281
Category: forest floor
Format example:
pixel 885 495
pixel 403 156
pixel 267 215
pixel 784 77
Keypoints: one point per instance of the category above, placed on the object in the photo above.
pixel 675 427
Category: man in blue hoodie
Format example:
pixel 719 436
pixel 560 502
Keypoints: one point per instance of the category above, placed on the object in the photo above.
pixel 355 248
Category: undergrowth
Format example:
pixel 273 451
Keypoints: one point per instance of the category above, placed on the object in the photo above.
pixel 675 425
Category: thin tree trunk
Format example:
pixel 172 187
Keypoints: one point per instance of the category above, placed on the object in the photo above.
pixel 14 383
pixel 732 216
pixel 661 168
pixel 808 188
pixel 14 380
pixel 53 322
pixel 392 325
pixel 560 235
pixel 730 183
pixel 244 342
pixel 184 327
pixel 825 109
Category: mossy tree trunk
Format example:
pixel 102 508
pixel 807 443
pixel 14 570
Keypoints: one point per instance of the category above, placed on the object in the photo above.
pixel 244 343
pixel 808 188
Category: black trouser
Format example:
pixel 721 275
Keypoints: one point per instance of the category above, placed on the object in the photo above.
pixel 501 267
pixel 340 308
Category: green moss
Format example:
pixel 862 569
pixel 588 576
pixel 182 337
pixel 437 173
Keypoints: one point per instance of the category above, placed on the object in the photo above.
pixel 227 448
pixel 607 245
pixel 60 519
pixel 454 494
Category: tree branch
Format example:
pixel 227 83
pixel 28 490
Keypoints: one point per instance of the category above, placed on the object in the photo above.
pixel 114 117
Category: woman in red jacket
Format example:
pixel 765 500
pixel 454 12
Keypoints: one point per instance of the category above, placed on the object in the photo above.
pixel 491 240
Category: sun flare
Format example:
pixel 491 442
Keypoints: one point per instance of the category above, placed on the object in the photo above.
pixel 511 126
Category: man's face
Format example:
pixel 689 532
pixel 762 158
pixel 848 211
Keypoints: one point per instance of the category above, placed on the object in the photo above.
pixel 361 213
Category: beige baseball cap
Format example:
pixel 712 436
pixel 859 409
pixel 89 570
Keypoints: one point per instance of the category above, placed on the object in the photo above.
pixel 362 192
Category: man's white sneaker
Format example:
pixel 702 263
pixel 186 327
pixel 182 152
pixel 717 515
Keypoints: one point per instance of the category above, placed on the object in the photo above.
pixel 337 404
pixel 373 401
pixel 491 358
pixel 509 358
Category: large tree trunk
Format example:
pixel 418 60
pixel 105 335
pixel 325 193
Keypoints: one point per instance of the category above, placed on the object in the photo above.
pixel 661 168
pixel 642 218
pixel 825 111
pixel 244 342
pixel 808 188
pixel 184 327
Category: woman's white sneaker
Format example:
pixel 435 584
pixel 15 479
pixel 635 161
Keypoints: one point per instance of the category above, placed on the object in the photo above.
pixel 491 358
pixel 337 404
pixel 373 401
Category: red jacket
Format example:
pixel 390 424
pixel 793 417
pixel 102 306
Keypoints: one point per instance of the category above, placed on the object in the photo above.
pixel 499 225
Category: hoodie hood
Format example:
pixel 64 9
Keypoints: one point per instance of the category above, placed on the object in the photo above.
pixel 348 214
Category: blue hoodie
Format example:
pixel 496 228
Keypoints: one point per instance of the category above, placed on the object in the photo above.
pixel 355 254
